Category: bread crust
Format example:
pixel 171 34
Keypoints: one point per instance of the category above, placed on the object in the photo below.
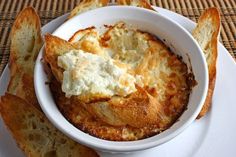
pixel 26 42
pixel 210 20
pixel 86 5
pixel 140 109
pixel 55 47
pixel 137 3
pixel 34 134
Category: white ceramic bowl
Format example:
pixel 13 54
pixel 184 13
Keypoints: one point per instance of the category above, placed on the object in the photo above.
pixel 176 37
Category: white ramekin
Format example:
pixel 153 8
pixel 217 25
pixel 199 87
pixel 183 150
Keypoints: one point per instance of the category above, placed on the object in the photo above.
pixel 176 37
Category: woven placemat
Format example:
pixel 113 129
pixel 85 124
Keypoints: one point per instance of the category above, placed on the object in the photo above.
pixel 50 9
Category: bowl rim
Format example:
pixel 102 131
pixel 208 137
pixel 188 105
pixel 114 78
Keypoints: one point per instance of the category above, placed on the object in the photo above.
pixel 123 146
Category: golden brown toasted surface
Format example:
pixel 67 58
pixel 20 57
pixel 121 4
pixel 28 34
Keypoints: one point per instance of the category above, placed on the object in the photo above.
pixel 87 40
pixel 207 33
pixel 34 134
pixel 87 5
pixel 138 110
pixel 80 117
pixel 26 42
pixel 80 33
pixel 147 56
pixel 55 47
pixel 137 3
pixel 153 108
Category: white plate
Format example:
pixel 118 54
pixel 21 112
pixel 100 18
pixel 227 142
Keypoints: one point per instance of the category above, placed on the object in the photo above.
pixel 213 135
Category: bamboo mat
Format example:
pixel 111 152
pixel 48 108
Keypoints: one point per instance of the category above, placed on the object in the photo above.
pixel 50 9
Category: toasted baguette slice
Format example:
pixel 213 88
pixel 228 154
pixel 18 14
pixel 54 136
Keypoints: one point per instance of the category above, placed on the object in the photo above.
pixel 207 33
pixel 87 5
pixel 55 47
pixel 34 134
pixel 26 42
pixel 139 110
pixel 137 3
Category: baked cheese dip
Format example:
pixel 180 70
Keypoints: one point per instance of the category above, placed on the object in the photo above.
pixel 120 85
pixel 87 73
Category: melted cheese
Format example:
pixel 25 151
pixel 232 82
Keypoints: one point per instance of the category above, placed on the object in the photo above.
pixel 132 45
pixel 126 57
pixel 87 73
